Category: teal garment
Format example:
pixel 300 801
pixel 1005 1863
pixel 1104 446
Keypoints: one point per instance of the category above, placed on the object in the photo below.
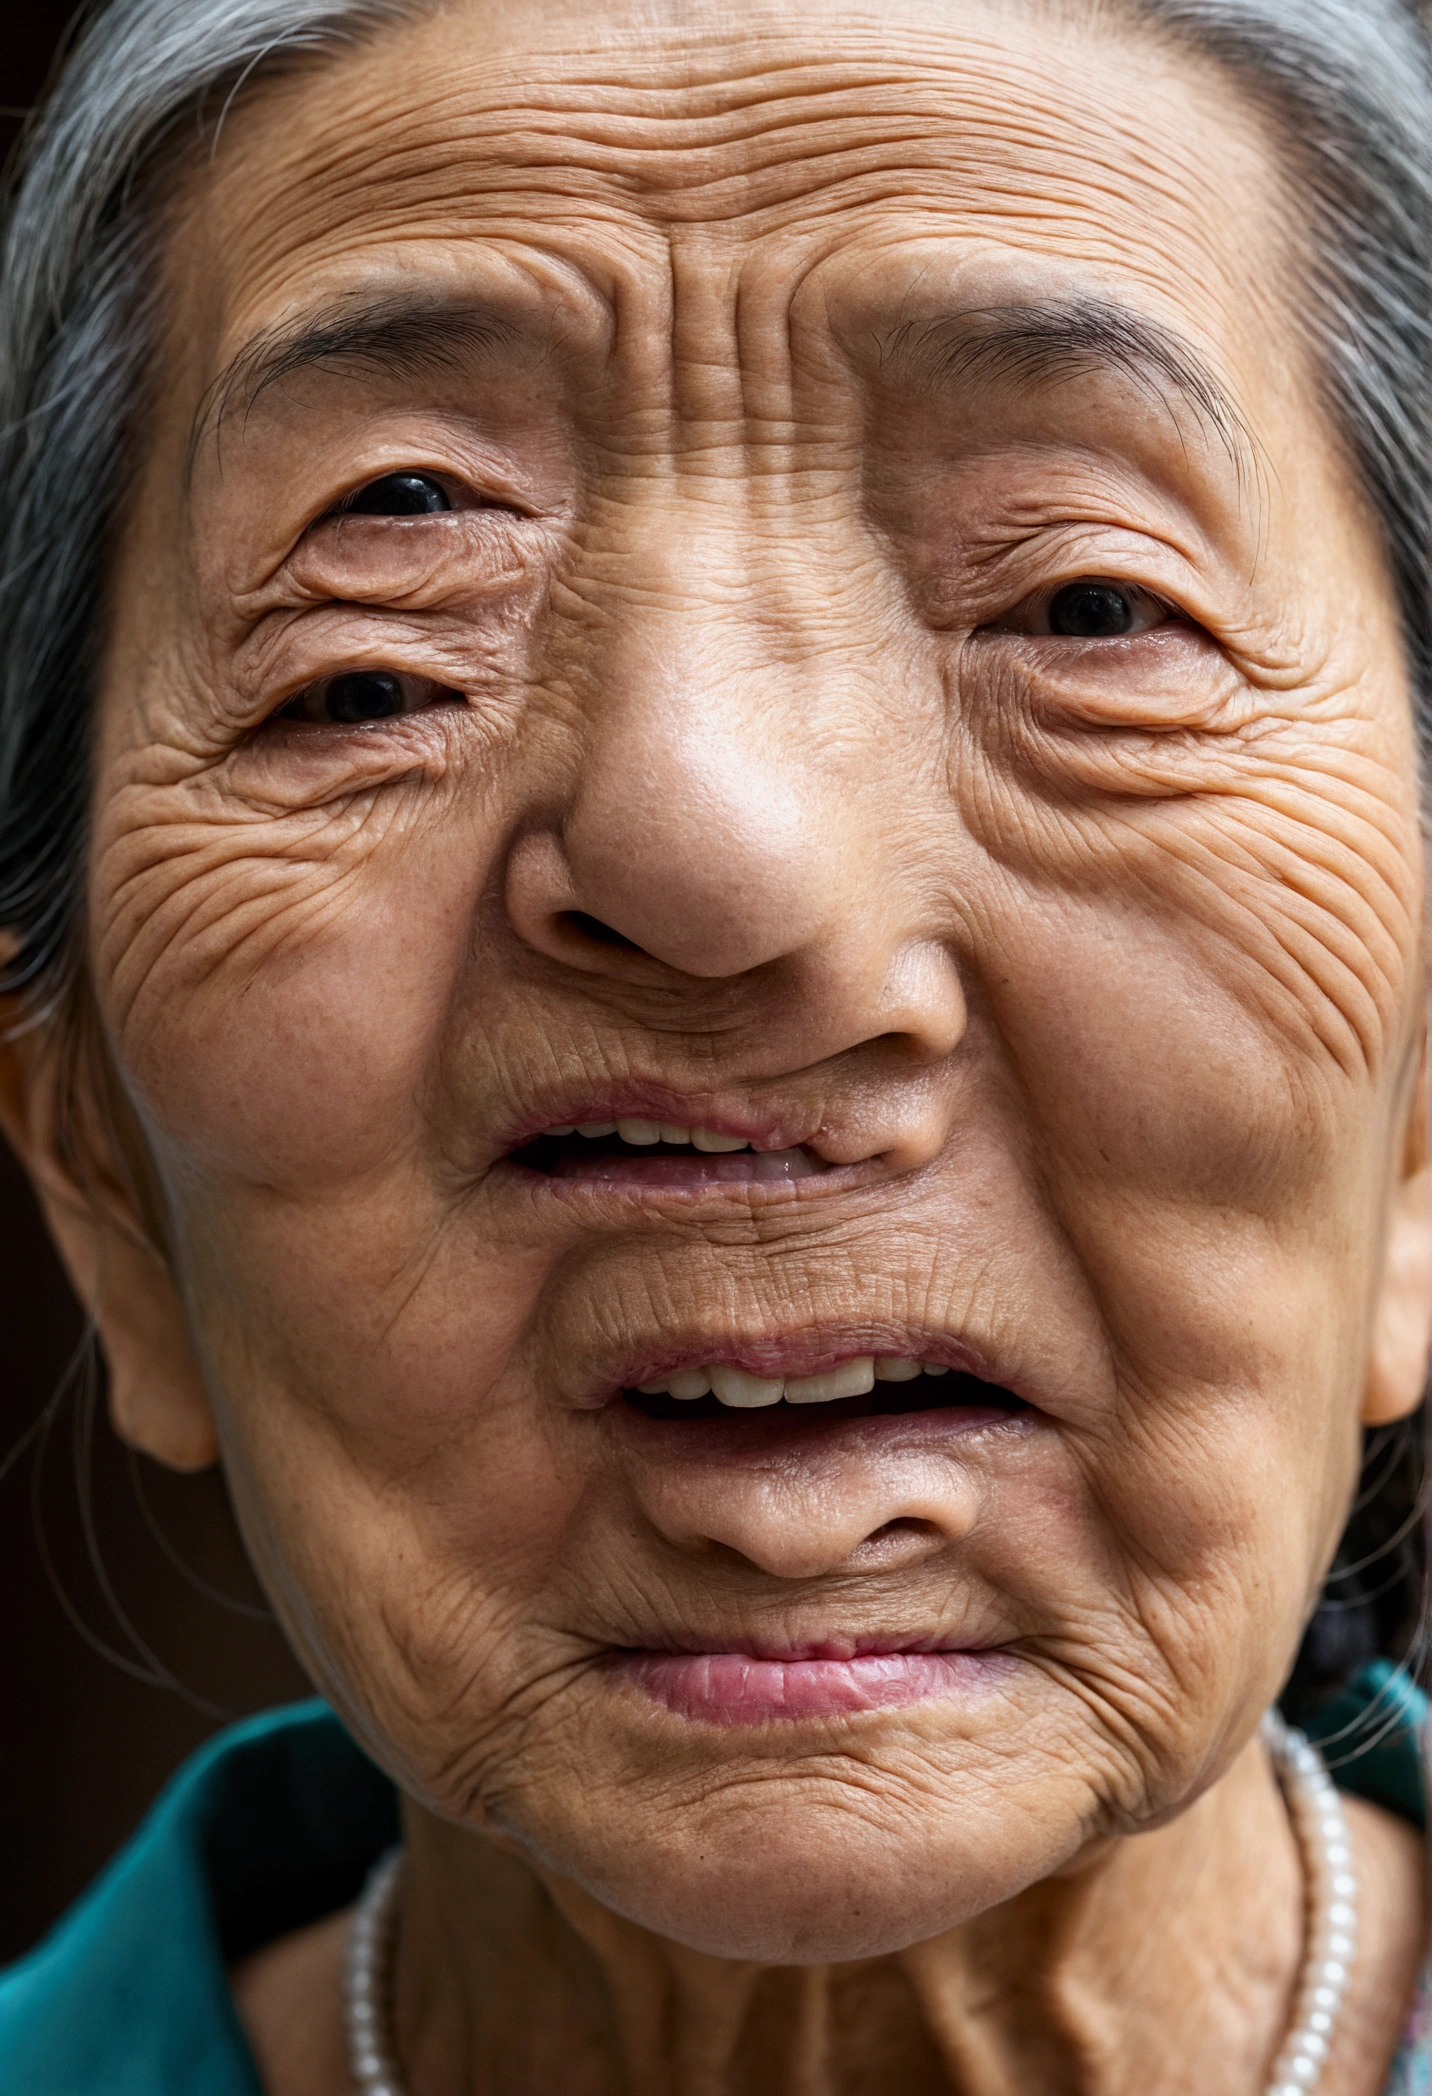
pixel 278 1821
pixel 275 1823
pixel 1369 1737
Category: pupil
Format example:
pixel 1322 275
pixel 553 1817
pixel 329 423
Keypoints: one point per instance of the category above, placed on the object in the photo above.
pixel 399 495
pixel 363 695
pixel 1091 611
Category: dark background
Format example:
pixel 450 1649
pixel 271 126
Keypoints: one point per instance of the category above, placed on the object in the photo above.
pixel 84 1745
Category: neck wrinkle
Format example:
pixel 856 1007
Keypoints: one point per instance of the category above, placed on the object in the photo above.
pixel 1174 1953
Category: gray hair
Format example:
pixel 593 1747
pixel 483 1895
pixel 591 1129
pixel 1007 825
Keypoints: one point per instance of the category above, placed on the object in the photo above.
pixel 1348 83
pixel 78 335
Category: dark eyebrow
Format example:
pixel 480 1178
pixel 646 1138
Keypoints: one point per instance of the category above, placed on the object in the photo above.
pixel 1047 344
pixel 398 335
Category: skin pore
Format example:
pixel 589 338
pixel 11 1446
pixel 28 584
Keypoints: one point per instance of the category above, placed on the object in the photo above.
pixel 776 375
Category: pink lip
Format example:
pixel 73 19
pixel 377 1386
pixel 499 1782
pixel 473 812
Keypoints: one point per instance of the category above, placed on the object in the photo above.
pixel 732 1688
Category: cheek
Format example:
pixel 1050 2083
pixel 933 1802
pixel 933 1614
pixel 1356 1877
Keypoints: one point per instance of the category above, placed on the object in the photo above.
pixel 1160 1564
pixel 1267 873
pixel 279 1005
pixel 423 1570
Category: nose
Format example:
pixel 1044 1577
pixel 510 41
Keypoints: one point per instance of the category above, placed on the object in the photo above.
pixel 742 803
pixel 813 1516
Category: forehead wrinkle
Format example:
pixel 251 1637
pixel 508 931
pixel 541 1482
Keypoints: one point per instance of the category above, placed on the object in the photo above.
pixel 402 180
pixel 658 144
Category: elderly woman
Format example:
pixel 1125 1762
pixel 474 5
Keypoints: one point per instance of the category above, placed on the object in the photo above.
pixel 713 892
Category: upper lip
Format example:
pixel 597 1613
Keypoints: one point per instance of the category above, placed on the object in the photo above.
pixel 763 1128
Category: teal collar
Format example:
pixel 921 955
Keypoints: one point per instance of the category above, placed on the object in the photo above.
pixel 275 1823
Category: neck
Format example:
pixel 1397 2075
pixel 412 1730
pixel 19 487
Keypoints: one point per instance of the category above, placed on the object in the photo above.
pixel 1168 1962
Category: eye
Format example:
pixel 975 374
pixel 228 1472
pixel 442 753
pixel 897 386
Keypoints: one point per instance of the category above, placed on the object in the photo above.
pixel 1091 611
pixel 359 696
pixel 398 495
pixel 1093 608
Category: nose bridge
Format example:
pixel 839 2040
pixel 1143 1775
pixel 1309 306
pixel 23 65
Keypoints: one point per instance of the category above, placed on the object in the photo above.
pixel 724 766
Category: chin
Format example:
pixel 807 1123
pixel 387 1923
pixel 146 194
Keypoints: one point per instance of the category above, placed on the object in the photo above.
pixel 793 1880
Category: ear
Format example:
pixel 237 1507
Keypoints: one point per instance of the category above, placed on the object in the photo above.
pixel 156 1394
pixel 1402 1325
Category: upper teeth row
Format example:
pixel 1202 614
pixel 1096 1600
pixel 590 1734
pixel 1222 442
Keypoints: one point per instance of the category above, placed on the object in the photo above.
pixel 733 1386
pixel 656 1132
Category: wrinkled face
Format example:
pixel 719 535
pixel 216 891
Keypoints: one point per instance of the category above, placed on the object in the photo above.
pixel 774 595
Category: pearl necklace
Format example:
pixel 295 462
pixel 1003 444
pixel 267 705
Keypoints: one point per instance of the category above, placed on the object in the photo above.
pixel 1317 1815
pixel 367 1981
pixel 1318 1823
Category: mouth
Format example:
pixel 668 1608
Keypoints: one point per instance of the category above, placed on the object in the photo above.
pixel 865 1387
pixel 644 1153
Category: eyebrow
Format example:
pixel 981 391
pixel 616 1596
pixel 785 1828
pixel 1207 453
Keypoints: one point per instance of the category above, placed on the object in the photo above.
pixel 398 335
pixel 1044 344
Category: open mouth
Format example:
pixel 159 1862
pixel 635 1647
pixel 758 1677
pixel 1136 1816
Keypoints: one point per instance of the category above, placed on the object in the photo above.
pixel 868 1388
pixel 660 1153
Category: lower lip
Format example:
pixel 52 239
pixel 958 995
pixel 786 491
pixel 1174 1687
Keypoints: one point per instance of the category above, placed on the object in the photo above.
pixel 730 1688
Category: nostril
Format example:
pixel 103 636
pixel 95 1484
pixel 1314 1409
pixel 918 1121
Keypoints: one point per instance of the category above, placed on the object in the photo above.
pixel 592 928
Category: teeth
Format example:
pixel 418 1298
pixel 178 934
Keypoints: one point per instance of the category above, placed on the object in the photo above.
pixel 689 1383
pixel 734 1387
pixel 851 1379
pixel 638 1131
pixel 641 1132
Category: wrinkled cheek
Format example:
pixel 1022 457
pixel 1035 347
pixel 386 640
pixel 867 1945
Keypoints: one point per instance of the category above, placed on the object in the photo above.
pixel 1162 1564
pixel 1134 1034
pixel 278 1021
pixel 422 1591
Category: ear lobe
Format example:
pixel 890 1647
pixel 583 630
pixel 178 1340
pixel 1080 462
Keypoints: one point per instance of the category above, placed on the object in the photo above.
pixel 1402 1327
pixel 157 1398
